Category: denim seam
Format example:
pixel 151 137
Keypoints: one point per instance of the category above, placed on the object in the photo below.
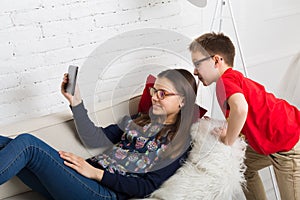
pixel 63 167
pixel 71 174
pixel 10 164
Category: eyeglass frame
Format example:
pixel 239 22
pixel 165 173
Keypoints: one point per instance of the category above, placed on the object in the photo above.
pixel 196 63
pixel 165 93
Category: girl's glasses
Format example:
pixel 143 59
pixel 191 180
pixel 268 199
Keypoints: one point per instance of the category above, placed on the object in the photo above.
pixel 160 94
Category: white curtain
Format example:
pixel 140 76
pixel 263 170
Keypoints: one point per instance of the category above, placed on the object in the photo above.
pixel 289 88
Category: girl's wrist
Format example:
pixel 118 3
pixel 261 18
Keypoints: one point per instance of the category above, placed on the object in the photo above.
pixel 74 102
pixel 99 175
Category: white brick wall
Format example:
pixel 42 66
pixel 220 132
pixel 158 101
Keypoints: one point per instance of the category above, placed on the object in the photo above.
pixel 40 38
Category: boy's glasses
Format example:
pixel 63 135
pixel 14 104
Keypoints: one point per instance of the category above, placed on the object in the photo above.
pixel 197 63
pixel 160 94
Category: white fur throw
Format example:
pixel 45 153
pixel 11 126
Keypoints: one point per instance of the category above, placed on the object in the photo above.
pixel 213 171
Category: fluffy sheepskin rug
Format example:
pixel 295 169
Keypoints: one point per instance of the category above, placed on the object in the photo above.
pixel 213 170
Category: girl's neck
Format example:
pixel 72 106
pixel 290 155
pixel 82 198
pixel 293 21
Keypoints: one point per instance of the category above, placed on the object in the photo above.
pixel 166 122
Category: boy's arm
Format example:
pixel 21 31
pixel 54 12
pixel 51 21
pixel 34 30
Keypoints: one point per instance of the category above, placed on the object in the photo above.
pixel 237 117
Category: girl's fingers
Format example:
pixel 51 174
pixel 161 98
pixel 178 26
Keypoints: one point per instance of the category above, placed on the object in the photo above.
pixel 65 155
pixel 70 158
pixel 71 165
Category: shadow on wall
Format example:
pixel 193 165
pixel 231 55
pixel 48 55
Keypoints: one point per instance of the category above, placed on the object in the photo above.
pixel 289 88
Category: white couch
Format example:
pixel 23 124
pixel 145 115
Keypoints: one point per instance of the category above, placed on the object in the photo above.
pixel 59 131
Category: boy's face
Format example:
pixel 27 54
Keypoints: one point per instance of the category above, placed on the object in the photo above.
pixel 205 68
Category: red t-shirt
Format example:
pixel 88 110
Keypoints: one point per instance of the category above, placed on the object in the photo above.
pixel 272 124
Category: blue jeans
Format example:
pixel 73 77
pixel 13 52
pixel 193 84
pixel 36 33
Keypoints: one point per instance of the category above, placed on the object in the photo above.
pixel 40 167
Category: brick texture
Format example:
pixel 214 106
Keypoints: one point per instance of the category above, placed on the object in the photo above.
pixel 39 39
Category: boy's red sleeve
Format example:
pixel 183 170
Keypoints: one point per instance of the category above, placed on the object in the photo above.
pixel 227 85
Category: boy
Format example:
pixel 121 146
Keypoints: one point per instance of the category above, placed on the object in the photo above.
pixel 270 125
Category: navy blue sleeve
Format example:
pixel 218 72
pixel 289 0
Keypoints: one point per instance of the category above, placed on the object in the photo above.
pixel 142 185
pixel 137 186
pixel 91 135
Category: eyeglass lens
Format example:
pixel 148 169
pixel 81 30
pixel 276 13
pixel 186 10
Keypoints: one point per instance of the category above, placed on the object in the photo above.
pixel 160 93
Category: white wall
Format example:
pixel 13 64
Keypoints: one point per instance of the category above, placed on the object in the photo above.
pixel 39 39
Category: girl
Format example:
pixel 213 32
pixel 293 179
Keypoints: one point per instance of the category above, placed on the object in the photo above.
pixel 146 151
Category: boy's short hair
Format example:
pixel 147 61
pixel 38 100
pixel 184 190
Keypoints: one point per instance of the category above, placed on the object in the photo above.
pixel 210 44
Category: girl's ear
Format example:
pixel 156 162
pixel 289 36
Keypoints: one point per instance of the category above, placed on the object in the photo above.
pixel 182 102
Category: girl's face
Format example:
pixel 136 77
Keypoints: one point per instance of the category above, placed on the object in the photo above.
pixel 166 101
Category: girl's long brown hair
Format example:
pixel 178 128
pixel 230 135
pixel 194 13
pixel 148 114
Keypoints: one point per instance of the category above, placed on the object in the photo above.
pixel 178 133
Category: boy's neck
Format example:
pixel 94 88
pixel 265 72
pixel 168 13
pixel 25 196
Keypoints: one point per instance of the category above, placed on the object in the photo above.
pixel 223 68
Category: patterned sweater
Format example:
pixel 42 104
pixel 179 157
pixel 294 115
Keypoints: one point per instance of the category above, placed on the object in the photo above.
pixel 133 152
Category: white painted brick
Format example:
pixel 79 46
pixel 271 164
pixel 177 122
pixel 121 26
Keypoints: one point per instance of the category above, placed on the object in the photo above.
pixel 43 88
pixel 8 111
pixel 142 54
pixel 17 94
pixel 46 75
pixel 105 85
pixel 15 5
pixel 23 63
pixel 55 3
pixel 20 33
pixel 94 36
pixel 59 56
pixel 40 15
pixel 85 10
pixel 177 23
pixel 11 95
pixel 6 67
pixel 34 77
pixel 133 4
pixel 68 55
pixel 5 21
pixel 116 19
pixel 31 105
pixel 121 69
pixel 6 51
pixel 165 10
pixel 7 96
pixel 54 85
pixel 10 81
pixel 43 103
pixel 92 8
pixel 68 26
pixel 42 45
pixel 56 72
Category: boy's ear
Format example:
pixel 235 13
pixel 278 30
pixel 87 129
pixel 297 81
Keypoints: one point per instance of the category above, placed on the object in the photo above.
pixel 217 59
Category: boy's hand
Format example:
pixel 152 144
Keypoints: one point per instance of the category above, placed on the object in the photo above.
pixel 73 100
pixel 220 132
